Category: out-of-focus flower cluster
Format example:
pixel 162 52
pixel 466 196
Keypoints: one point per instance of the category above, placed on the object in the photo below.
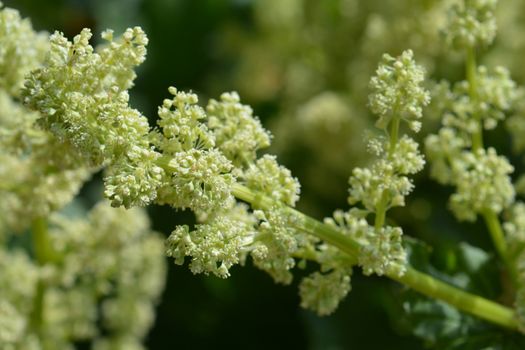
pixel 481 177
pixel 106 272
pixel 514 227
pixel 46 178
pixel 313 61
pixel 472 23
pixel 106 276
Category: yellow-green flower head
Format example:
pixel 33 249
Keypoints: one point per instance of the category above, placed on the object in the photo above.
pixel 18 280
pixel 442 150
pixel 198 176
pixel 383 252
pixel 48 176
pixel 396 90
pixel 111 271
pixel 238 134
pixel 107 269
pixel 13 325
pixel 496 92
pixel 198 179
pixel 275 244
pixel 370 186
pixel 483 183
pixel 268 177
pixel 227 237
pixel 406 158
pixel 514 226
pixel 133 180
pixel 322 293
pixel 82 97
pixel 183 123
pixel 386 178
pixel 472 23
pixel 214 247
pixel 21 49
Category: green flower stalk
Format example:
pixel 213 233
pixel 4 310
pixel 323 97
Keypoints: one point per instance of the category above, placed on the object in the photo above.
pixel 94 279
pixel 457 154
pixel 397 95
pixel 482 178
pixel 106 269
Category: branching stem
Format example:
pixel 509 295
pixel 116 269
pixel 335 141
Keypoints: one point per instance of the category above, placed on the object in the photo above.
pixel 421 282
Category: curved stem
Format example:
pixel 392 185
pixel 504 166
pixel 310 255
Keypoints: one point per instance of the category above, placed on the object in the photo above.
pixel 421 282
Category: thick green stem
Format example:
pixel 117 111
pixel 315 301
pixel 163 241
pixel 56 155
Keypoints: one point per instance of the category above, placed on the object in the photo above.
pixel 491 219
pixel 43 254
pixel 41 245
pixel 496 233
pixel 498 238
pixel 382 205
pixel 381 211
pixel 472 304
pixel 471 69
pixel 304 222
pixel 394 135
pixel 37 313
pixel 423 283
